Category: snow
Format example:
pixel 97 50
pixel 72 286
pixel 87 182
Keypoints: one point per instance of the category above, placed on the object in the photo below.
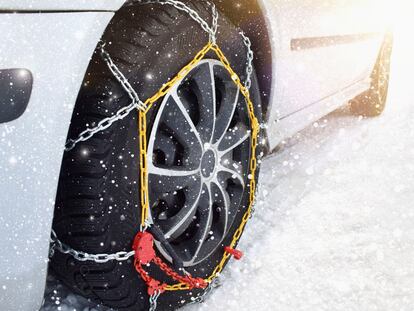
pixel 334 223
pixel 333 228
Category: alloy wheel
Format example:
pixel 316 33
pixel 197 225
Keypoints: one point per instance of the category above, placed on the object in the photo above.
pixel 198 162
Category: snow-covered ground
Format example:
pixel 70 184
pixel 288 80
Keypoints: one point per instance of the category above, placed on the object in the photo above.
pixel 334 227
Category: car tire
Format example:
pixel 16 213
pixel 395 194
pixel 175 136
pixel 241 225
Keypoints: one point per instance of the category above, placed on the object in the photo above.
pixel 98 201
pixel 372 102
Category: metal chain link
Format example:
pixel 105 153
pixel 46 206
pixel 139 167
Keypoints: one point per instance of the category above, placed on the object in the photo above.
pixel 83 256
pixel 211 30
pixel 153 301
pixel 121 78
pixel 120 114
pixel 248 81
pixel 213 36
pixel 138 104
pixel 250 58
pixel 207 292
pixel 102 125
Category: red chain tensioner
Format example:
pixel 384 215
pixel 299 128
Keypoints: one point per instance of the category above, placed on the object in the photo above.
pixel 145 254
pixel 234 252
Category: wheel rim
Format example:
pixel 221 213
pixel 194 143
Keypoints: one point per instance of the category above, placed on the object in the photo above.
pixel 198 162
pixel 382 78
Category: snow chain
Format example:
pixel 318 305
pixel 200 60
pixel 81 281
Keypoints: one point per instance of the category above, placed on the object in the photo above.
pixel 143 244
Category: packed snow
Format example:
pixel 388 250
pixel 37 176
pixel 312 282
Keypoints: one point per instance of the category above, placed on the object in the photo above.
pixel 333 228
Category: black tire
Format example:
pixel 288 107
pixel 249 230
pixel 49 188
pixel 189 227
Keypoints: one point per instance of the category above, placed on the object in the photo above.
pixel 97 205
pixel 372 102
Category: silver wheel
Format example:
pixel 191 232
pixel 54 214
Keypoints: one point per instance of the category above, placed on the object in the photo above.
pixel 372 102
pixel 198 162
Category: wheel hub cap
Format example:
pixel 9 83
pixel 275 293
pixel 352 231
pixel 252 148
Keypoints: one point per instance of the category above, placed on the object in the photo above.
pixel 198 162
pixel 208 164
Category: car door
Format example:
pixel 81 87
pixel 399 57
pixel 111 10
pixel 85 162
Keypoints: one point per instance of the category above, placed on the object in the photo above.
pixel 320 47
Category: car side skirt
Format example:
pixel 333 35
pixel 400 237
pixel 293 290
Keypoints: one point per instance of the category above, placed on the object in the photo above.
pixel 297 121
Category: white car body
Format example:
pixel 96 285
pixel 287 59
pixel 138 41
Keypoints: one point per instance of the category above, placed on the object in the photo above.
pixel 308 82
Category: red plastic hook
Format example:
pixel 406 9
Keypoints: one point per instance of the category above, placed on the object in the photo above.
pixel 234 252
pixel 144 247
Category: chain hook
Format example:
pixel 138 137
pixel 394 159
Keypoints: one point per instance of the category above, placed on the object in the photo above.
pixel 144 227
pixel 214 284
pixel 101 46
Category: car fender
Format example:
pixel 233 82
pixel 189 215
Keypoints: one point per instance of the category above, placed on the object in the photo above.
pixel 56 49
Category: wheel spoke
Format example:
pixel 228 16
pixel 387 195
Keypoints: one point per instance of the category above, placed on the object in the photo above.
pixel 174 140
pixel 204 221
pixel 174 226
pixel 221 197
pixel 232 193
pixel 163 181
pixel 164 145
pixel 176 119
pixel 235 174
pixel 226 111
pixel 233 138
pixel 203 94
pixel 170 172
pixel 187 119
